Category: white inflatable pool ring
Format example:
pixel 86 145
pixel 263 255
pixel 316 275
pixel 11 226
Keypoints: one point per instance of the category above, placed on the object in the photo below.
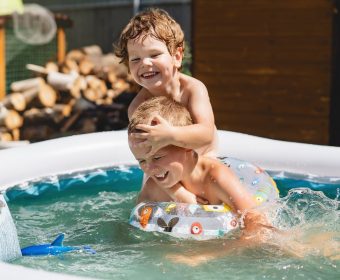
pixel 204 221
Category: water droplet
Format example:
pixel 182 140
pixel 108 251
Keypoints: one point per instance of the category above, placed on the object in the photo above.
pixel 254 182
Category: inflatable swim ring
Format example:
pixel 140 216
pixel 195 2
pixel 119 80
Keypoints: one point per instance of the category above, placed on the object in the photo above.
pixel 204 221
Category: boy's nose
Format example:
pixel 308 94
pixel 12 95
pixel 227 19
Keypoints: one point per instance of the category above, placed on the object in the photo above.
pixel 147 61
pixel 150 168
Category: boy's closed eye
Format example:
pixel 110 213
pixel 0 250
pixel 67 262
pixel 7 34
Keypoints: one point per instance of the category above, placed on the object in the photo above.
pixel 134 59
pixel 157 157
pixel 155 55
pixel 141 161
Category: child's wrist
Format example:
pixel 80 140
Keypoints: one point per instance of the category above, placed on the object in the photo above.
pixel 172 136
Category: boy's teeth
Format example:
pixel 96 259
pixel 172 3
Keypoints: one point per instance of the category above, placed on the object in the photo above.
pixel 149 74
pixel 161 176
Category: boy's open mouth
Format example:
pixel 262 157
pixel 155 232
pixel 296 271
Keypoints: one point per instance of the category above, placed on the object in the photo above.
pixel 149 75
pixel 161 177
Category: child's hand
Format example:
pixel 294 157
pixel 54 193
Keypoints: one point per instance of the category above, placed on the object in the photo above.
pixel 257 227
pixel 201 200
pixel 189 260
pixel 156 136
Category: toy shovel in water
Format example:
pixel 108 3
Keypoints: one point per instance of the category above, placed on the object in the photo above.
pixel 55 248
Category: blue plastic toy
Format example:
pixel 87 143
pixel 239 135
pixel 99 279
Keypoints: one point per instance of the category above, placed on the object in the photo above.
pixel 55 248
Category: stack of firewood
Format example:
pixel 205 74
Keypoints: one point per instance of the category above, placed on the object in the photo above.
pixel 76 96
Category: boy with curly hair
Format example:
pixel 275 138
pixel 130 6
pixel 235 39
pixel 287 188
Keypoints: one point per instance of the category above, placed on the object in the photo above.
pixel 152 46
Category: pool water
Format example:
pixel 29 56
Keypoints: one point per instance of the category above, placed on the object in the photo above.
pixel 93 207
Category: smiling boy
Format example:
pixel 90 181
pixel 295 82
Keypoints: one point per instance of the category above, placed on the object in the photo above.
pixel 152 46
pixel 180 174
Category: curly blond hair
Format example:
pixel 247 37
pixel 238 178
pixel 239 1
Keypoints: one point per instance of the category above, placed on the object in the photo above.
pixel 151 22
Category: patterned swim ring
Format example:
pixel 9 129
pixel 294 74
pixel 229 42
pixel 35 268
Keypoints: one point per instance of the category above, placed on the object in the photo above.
pixel 204 221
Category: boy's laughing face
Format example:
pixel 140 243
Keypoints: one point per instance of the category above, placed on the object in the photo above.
pixel 166 167
pixel 151 65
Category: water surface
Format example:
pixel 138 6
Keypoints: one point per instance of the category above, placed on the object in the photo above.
pixel 93 209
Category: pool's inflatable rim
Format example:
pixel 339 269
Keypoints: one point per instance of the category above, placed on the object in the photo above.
pixel 105 149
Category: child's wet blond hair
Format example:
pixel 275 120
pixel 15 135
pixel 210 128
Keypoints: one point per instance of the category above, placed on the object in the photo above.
pixel 151 22
pixel 174 112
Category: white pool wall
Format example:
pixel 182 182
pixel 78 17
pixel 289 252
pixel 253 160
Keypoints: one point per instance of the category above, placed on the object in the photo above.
pixel 278 155
pixel 15 272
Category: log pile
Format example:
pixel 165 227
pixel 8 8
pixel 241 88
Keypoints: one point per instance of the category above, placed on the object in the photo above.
pixel 77 96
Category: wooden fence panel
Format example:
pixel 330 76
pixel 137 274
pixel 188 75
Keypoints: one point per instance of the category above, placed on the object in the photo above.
pixel 267 65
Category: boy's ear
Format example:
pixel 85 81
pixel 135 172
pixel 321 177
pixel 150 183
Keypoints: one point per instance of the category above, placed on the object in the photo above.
pixel 178 56
pixel 154 121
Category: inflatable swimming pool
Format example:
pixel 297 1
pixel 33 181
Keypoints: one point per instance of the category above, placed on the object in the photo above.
pixel 86 152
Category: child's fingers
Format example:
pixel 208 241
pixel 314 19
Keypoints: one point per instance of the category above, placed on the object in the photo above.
pixel 144 127
pixel 139 135
pixel 159 119
pixel 143 144
pixel 147 147
pixel 152 151
pixel 178 258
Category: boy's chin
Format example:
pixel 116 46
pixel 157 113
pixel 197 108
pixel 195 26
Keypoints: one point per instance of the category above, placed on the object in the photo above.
pixel 155 87
pixel 166 183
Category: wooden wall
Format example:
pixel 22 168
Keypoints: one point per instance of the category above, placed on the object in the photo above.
pixel 267 65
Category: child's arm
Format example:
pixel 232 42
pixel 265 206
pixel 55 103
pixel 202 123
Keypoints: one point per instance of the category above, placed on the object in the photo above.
pixel 227 187
pixel 139 98
pixel 321 244
pixel 195 136
pixel 215 250
pixel 178 193
pixel 151 192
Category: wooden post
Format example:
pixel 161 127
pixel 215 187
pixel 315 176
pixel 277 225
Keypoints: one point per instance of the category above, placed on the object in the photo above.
pixel 334 116
pixel 2 60
pixel 61 44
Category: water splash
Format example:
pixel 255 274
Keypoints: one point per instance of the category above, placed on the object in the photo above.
pixel 309 223
pixel 9 243
pixel 307 208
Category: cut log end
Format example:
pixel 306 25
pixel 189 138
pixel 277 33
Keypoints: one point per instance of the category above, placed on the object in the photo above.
pixel 12 120
pixel 47 95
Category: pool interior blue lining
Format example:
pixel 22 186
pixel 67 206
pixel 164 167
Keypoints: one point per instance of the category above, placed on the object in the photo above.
pixel 116 179
pixel 130 178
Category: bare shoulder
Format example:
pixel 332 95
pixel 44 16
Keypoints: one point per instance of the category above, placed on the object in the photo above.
pixel 214 167
pixel 193 84
pixel 194 90
pixel 141 96
pixel 211 161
